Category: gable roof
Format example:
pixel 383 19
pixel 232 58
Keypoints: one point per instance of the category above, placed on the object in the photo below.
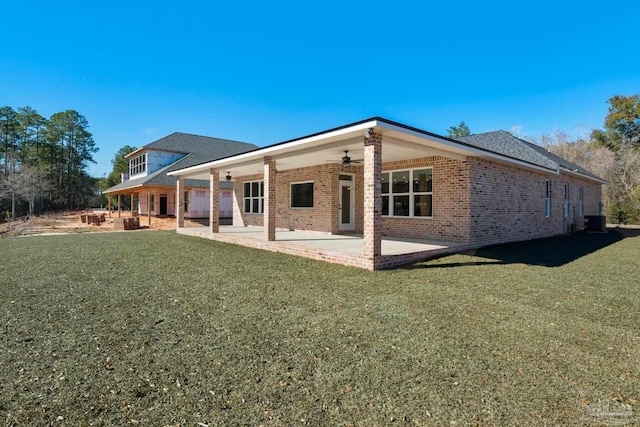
pixel 504 143
pixel 198 149
pixel 305 151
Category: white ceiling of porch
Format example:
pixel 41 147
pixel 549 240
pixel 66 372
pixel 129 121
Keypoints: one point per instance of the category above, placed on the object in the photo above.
pixel 397 144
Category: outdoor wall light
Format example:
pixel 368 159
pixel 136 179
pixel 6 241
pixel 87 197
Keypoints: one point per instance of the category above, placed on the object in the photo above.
pixel 368 132
pixel 228 176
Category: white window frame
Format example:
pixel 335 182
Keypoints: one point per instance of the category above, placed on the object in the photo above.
pixel 291 194
pixel 565 204
pixel 138 165
pixel 581 201
pixel 547 200
pixel 411 193
pixel 251 197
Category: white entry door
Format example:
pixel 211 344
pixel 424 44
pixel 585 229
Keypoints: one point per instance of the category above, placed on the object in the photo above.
pixel 347 206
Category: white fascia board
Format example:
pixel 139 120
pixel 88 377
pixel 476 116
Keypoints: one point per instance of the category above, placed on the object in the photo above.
pixel 134 152
pixel 470 151
pixel 581 175
pixel 274 150
pixel 123 189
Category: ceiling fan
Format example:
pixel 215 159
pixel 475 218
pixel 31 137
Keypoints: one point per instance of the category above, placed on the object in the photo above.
pixel 347 160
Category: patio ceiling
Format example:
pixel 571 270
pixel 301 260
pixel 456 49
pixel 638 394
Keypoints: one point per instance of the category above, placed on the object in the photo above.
pixel 399 143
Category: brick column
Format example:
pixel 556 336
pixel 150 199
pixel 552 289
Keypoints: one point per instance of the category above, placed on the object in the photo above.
pixel 372 199
pixel 269 214
pixel 180 202
pixel 214 201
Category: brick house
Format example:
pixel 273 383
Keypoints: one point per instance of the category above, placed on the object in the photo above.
pixel 381 179
pixel 155 192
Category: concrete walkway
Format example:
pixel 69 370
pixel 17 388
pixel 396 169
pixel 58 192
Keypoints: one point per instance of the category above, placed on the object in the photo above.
pixel 345 249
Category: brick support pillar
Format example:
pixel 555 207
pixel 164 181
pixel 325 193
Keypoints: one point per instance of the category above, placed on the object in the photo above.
pixel 180 202
pixel 372 199
pixel 269 214
pixel 214 201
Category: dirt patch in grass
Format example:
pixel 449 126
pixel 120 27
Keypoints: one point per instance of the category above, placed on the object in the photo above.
pixel 69 222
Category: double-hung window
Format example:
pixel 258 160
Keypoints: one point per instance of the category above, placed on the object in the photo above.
pixel 547 200
pixel 580 201
pixel 408 193
pixel 253 196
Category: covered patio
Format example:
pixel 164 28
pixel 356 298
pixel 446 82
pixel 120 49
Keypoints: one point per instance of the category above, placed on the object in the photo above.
pixel 346 249
pixel 378 194
pixel 336 180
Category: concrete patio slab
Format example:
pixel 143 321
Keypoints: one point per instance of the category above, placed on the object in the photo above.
pixel 345 249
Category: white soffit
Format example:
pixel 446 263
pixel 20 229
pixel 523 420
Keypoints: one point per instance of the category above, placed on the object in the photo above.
pixel 399 143
pixel 575 172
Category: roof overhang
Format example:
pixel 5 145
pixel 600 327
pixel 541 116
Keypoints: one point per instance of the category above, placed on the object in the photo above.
pixel 400 142
pixel 122 189
pixel 576 172
pixel 146 148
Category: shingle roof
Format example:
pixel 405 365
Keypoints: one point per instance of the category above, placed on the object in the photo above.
pixel 198 149
pixel 504 143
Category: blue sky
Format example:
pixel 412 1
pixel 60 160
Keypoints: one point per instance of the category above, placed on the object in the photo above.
pixel 264 72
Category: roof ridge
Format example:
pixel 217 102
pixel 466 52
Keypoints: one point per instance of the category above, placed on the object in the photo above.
pixel 208 137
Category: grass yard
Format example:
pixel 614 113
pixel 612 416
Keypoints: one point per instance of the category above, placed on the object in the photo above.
pixel 153 328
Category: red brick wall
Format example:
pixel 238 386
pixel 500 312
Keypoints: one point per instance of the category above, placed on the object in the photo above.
pixel 450 219
pixel 474 201
pixel 322 217
pixel 508 203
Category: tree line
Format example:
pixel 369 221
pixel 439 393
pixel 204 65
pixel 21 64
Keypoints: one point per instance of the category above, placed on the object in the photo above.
pixel 43 162
pixel 612 153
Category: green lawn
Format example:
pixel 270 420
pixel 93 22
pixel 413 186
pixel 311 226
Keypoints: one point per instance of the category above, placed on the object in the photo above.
pixel 153 328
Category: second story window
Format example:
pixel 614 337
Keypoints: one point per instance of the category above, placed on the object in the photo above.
pixel 138 165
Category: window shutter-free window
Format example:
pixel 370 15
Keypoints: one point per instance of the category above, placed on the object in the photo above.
pixel 547 200
pixel 407 193
pixel 385 193
pixel 302 194
pixel 138 165
pixel 581 202
pixel 422 192
pixel 253 196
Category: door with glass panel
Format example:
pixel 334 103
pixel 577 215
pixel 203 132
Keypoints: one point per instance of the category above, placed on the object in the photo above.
pixel 346 205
